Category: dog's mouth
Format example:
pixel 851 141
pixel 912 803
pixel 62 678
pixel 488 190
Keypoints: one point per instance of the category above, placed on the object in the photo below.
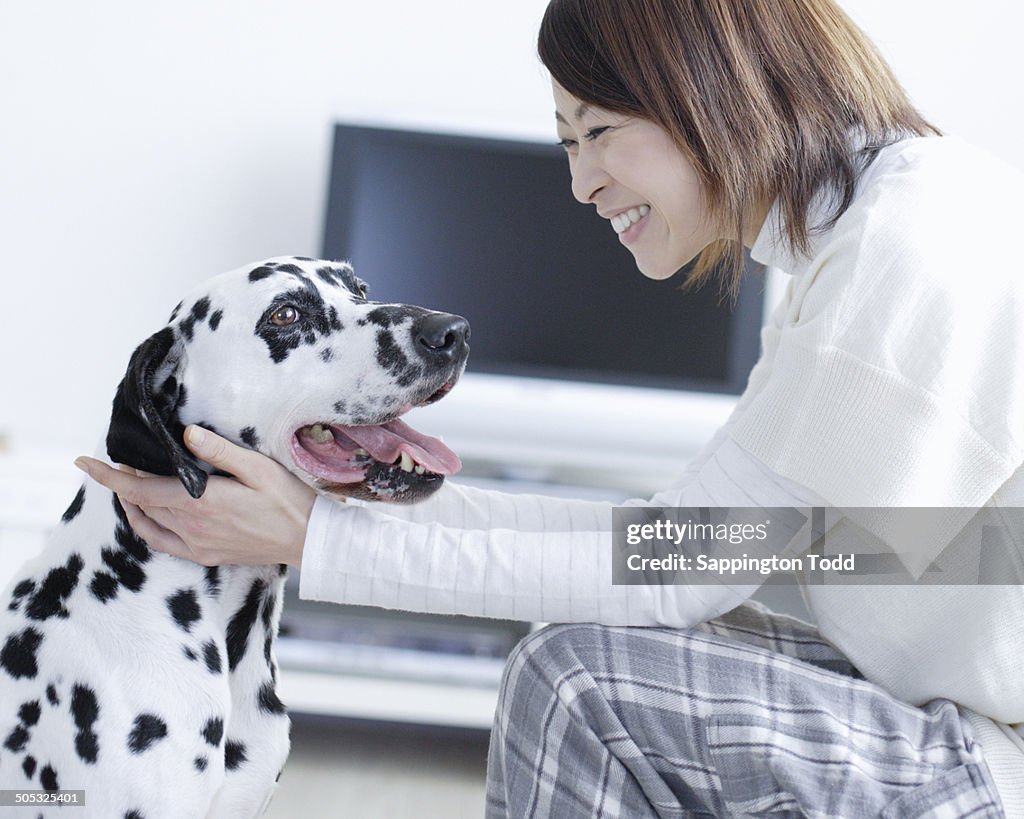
pixel 389 461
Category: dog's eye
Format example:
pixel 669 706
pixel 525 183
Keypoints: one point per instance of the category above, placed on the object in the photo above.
pixel 283 316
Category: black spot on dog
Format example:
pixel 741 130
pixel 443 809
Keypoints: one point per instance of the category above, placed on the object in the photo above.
pixel 85 710
pixel 215 319
pixel 211 656
pixel 148 730
pixel 134 814
pixel 249 437
pixel 103 587
pixel 126 570
pixel 314 322
pixel 212 575
pixel 290 269
pixel 342 276
pixel 260 273
pixel 196 315
pixel 18 656
pixel 48 600
pixel 335 322
pixel 188 327
pixel 326 355
pixel 51 695
pixel 267 613
pixel 125 536
pixel 234 755
pixel 268 700
pixel 201 309
pixel 184 608
pixel 29 713
pixel 242 622
pixel 393 359
pixel 200 763
pixel 48 779
pixel 330 275
pixel 213 731
pixel 76 506
pixel 17 739
pixel 341 407
pixel 29 766
pixel 189 653
pixel 176 311
pixel 386 316
pixel 23 588
pixel 268 655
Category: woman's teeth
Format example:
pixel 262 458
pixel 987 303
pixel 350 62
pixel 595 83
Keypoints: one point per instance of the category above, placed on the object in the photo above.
pixel 624 220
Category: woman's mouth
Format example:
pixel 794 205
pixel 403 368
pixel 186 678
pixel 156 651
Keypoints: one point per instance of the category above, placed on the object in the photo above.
pixel 628 224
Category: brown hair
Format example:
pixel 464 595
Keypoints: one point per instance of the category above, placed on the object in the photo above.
pixel 762 96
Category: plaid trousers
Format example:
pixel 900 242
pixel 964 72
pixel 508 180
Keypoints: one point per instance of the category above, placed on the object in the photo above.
pixel 751 714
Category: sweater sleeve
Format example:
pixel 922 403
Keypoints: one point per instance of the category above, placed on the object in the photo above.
pixel 541 559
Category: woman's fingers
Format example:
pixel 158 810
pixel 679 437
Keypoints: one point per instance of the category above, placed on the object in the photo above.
pixel 258 519
pixel 140 491
pixel 156 536
pixel 244 464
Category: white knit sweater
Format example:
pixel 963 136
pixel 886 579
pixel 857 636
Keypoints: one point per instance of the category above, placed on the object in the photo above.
pixel 892 374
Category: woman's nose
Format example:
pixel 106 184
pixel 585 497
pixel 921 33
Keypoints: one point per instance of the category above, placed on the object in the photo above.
pixel 587 178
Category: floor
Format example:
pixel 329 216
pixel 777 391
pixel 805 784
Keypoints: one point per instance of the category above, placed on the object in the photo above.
pixel 380 771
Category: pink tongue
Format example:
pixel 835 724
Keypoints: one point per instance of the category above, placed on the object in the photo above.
pixel 386 443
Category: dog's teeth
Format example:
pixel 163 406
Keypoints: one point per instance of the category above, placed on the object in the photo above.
pixel 420 469
pixel 319 434
pixel 362 452
pixel 407 462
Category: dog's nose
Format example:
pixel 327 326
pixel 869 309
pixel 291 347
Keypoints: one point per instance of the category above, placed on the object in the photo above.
pixel 441 336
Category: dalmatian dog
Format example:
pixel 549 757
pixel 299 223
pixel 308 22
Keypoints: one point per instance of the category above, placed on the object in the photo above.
pixel 149 682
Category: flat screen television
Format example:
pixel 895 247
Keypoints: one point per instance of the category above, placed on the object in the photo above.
pixel 570 343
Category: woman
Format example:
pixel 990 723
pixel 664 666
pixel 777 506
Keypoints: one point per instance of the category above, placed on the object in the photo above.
pixel 892 375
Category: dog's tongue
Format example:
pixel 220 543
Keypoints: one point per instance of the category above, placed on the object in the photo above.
pixel 386 442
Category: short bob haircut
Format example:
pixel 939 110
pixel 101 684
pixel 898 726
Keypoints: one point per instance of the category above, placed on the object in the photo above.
pixel 770 100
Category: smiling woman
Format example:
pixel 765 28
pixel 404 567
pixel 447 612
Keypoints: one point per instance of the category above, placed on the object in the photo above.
pixel 630 169
pixel 761 99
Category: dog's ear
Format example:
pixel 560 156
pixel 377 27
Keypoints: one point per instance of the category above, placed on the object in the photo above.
pixel 145 430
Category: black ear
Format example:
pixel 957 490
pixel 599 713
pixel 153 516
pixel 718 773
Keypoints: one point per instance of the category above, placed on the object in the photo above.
pixel 145 430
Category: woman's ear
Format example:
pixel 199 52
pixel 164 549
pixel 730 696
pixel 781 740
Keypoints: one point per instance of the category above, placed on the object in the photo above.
pixel 145 428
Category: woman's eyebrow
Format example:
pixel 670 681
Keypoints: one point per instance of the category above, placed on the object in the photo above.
pixel 581 109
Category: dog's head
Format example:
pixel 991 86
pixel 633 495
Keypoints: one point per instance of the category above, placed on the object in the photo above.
pixel 289 358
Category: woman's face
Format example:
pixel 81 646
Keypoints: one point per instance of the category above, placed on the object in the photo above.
pixel 636 177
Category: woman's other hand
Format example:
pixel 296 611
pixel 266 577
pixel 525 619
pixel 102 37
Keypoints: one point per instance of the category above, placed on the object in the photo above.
pixel 259 517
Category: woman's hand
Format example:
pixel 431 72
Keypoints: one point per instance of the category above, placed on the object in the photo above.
pixel 259 517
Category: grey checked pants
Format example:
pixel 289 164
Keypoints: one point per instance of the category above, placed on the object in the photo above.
pixel 752 714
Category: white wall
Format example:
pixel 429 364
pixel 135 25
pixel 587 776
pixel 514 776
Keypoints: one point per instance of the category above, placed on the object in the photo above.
pixel 145 146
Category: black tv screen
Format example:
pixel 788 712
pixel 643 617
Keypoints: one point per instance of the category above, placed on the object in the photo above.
pixel 489 229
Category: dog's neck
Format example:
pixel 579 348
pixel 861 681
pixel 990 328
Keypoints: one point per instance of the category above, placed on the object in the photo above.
pixel 95 547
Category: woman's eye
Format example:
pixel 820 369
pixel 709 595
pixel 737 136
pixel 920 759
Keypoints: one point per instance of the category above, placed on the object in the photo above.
pixel 594 133
pixel 283 316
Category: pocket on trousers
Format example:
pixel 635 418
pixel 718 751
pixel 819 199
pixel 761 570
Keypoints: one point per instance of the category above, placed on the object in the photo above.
pixel 962 791
pixel 769 768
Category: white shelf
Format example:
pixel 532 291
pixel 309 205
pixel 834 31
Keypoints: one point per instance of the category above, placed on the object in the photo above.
pixel 377 698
